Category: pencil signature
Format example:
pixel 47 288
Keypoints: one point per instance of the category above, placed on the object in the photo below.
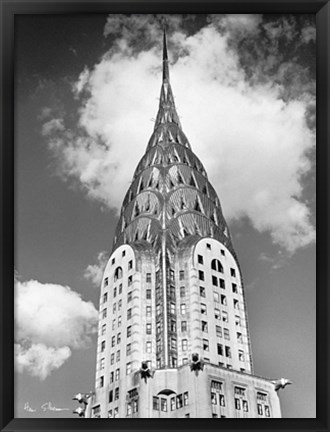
pixel 47 406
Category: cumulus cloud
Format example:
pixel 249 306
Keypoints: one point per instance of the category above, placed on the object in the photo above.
pixel 50 321
pixel 94 272
pixel 247 110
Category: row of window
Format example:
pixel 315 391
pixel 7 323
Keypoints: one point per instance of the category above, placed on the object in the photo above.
pixel 176 402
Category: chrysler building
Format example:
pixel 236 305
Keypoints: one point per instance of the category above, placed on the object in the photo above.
pixel 173 335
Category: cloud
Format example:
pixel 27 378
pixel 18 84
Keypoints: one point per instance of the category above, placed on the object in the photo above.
pixel 40 360
pixel 94 272
pixel 50 321
pixel 247 110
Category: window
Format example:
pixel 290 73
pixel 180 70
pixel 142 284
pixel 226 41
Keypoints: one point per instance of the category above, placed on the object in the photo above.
pixel 217 314
pixel 129 313
pixel 155 403
pixel 172 326
pixel 119 305
pixel 110 396
pixel 116 412
pixel 220 349
pixel 236 304
pixel 203 309
pixel 228 351
pixel 158 309
pixel 234 288
pixel 118 273
pixel 128 349
pixel 218 330
pixel 118 338
pixel 172 403
pixel 208 245
pixel 163 404
pixel 183 326
pixel 148 311
pixel 101 381
pixel 130 265
pixel 201 275
pixel 119 321
pixel 204 326
pixel 172 308
pixel 237 404
pixel 245 406
pixel 111 379
pixel 260 410
pixel 202 291
pixel 118 356
pixel 184 344
pixel 232 272
pixel 241 355
pixel 123 253
pixel 113 341
pixel 106 281
pixel 102 346
pixel 222 400
pixel 104 329
pixel 130 280
pixel 223 300
pixel 115 292
pixel 113 261
pixel 112 358
pixel 214 281
pixel 216 265
pixel 183 308
pixel 224 316
pixel 185 398
pixel 226 333
pixel 114 308
pixel 117 393
pixel 172 291
pixel 179 401
pixel 222 252
pixel 267 411
pixel 200 259
pixel 205 345
pixel 182 291
pixel 105 297
pixel 158 327
pixel 148 347
pixel 104 313
pixel 128 368
pixel 120 288
pixel 216 297
pixel 173 343
pixel 237 320
pixel 129 296
pixel 213 398
pixel 148 328
pixel 239 337
pixel 148 294
pixel 129 331
pixel 181 275
pixel 129 408
pixel 148 277
pixel 117 374
pixel 102 363
pixel 222 283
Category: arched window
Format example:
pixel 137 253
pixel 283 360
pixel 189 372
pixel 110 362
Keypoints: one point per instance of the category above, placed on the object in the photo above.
pixel 216 265
pixel 118 273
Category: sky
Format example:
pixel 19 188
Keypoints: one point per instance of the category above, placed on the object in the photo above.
pixel 86 96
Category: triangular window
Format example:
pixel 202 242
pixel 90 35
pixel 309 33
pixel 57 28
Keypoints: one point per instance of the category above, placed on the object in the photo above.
pixel 192 181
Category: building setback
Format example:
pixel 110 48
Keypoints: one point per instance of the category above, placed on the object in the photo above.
pixel 173 336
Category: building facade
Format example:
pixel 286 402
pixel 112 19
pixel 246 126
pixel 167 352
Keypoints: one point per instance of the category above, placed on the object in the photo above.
pixel 173 335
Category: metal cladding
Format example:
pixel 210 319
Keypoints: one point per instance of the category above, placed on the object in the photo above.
pixel 170 196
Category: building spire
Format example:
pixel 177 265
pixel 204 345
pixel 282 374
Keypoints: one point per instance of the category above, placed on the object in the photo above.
pixel 166 112
pixel 166 73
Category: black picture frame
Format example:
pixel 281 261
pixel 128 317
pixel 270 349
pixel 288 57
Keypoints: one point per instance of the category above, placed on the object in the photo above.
pixel 9 10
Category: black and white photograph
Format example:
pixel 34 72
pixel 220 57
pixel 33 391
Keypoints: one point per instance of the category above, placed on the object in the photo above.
pixel 165 216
